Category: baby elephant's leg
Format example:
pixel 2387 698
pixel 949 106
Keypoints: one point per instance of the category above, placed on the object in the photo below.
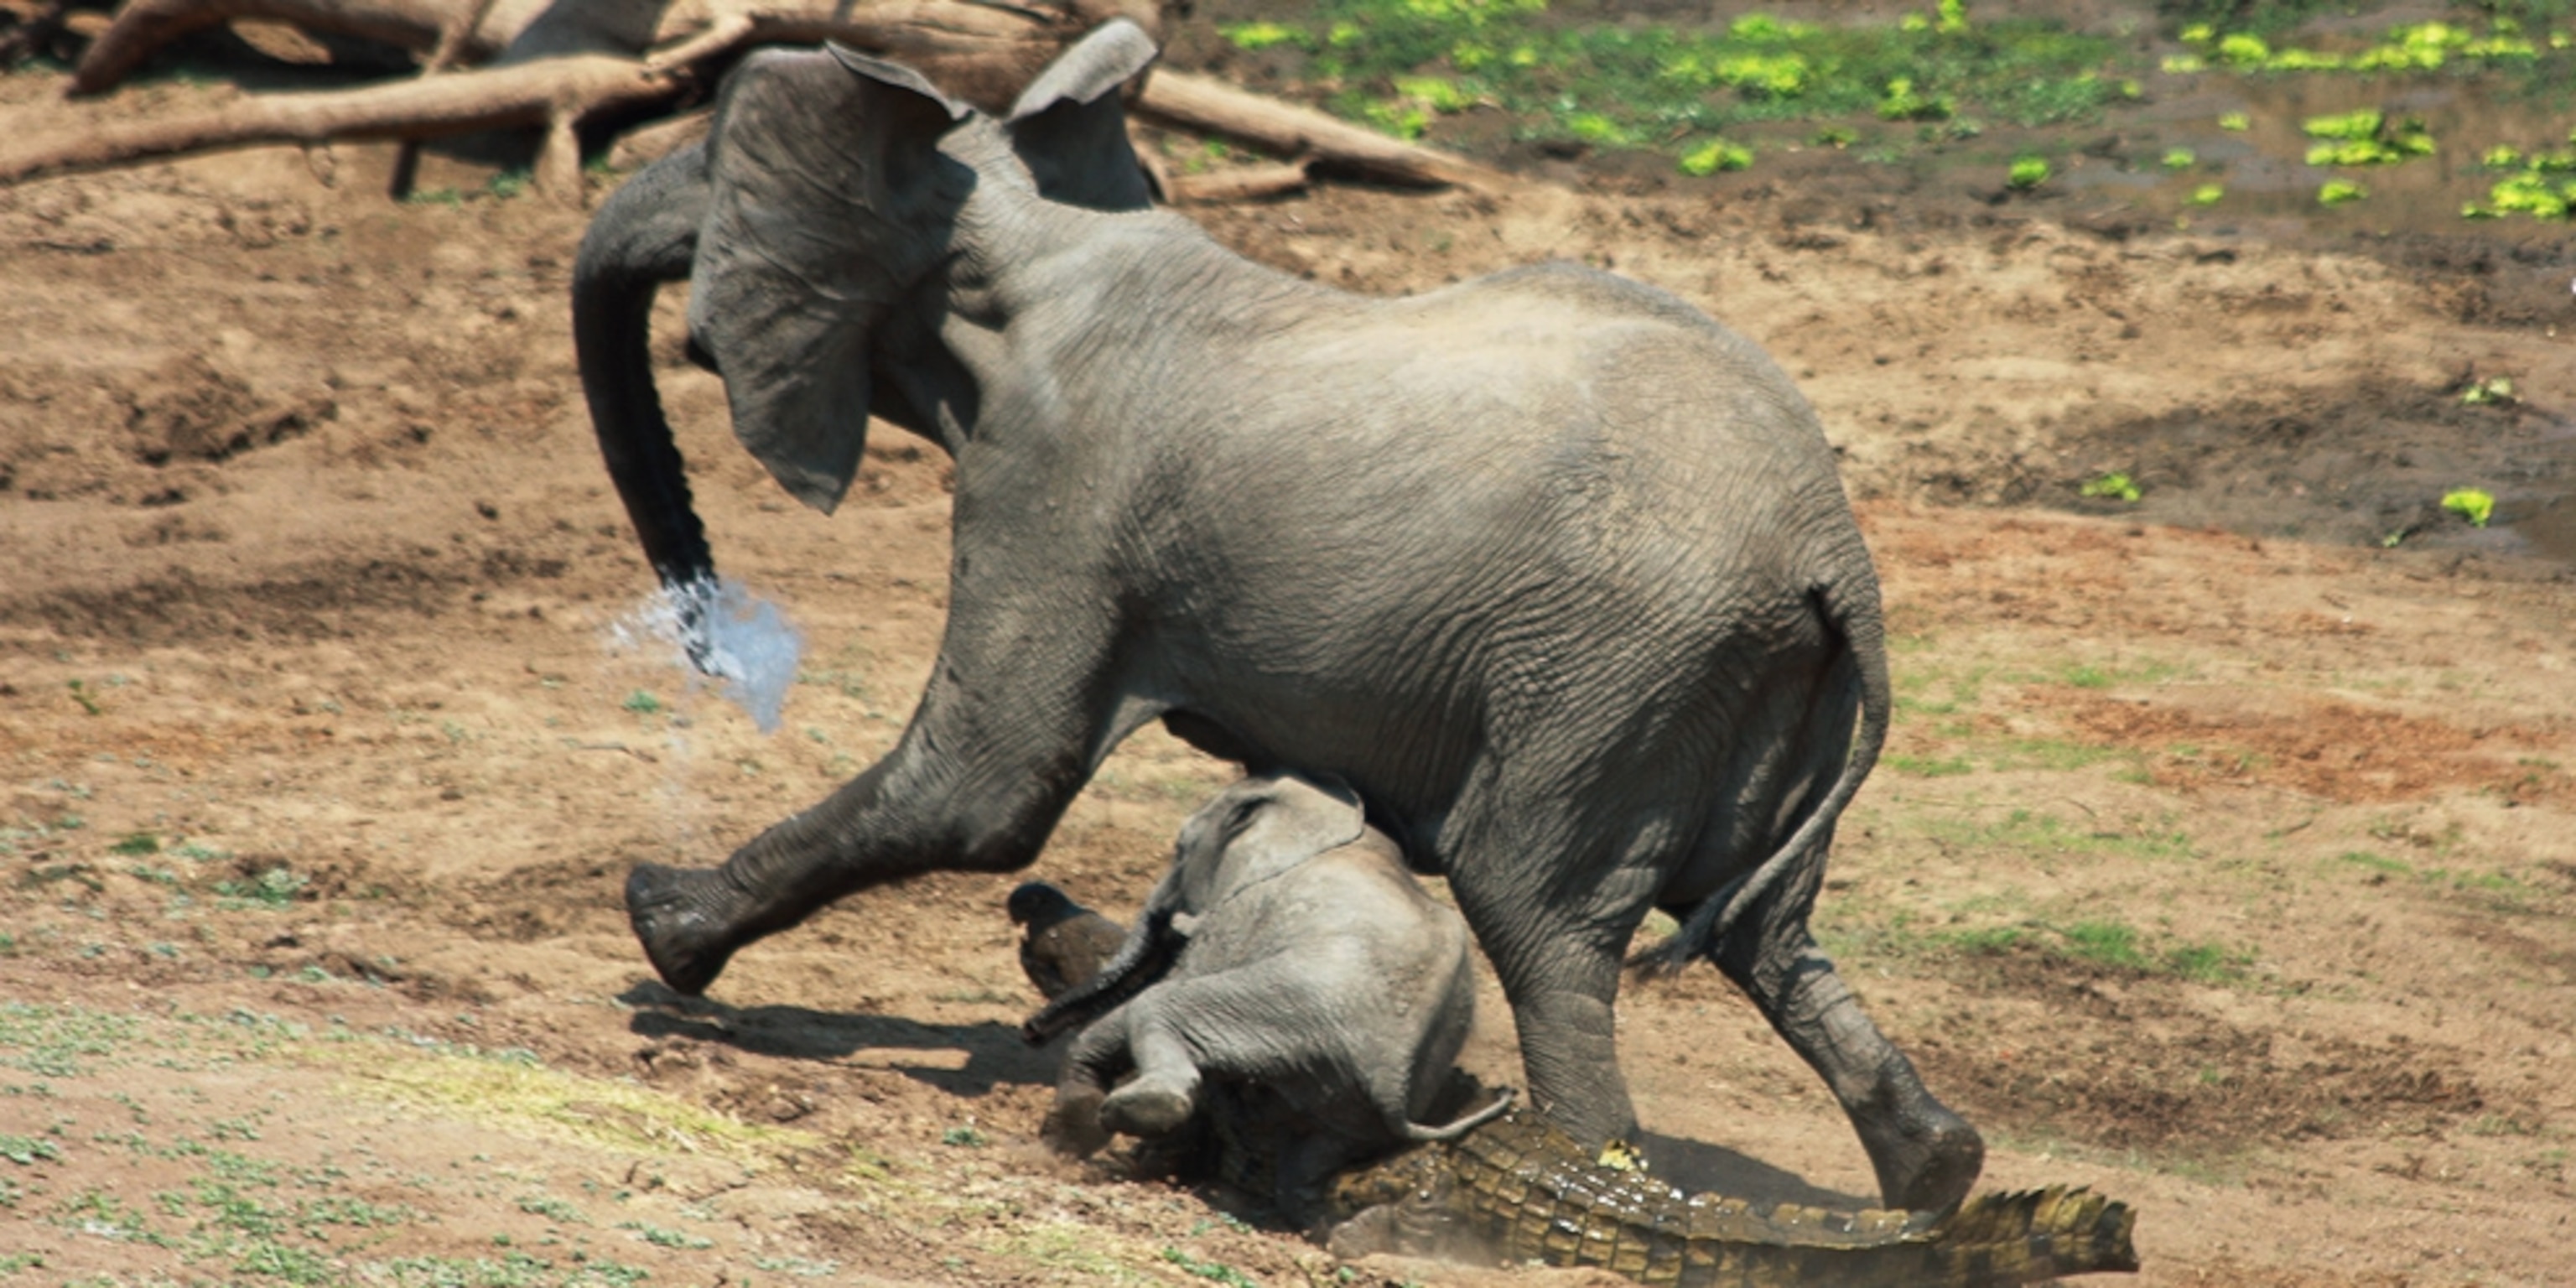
pixel 1098 1056
pixel 1165 1091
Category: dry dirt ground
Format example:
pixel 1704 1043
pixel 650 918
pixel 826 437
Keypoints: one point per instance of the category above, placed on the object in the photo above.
pixel 2223 858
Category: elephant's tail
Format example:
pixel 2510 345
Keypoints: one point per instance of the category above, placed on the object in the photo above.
pixel 1851 609
pixel 644 235
pixel 1148 952
pixel 1465 1123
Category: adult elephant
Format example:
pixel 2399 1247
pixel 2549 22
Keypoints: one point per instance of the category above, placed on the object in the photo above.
pixel 1555 572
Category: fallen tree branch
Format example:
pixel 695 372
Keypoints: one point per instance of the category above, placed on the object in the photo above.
pixel 981 50
pixel 142 27
pixel 1203 105
pixel 557 93
pixel 1246 183
pixel 450 44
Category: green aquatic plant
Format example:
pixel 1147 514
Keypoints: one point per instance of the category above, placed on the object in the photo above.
pixel 2338 192
pixel 2114 486
pixel 2027 173
pixel 1714 156
pixel 2470 503
pixel 2492 391
pixel 1261 35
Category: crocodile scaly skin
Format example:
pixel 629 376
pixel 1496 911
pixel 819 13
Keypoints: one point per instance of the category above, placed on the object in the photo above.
pixel 1518 1190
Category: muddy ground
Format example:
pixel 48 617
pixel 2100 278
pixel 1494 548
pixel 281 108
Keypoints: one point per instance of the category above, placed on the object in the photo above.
pixel 2223 858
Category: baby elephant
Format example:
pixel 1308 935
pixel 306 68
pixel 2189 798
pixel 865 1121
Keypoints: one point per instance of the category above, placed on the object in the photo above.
pixel 1287 948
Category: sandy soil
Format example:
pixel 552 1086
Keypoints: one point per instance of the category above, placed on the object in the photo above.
pixel 2223 860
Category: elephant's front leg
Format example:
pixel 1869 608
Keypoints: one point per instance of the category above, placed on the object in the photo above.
pixel 1020 705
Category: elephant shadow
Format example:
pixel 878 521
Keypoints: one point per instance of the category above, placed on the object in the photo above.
pixel 1702 1168
pixel 992 1053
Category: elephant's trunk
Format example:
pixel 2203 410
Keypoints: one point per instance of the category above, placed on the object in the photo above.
pixel 645 235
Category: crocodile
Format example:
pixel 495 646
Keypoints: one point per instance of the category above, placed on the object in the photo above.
pixel 1518 1190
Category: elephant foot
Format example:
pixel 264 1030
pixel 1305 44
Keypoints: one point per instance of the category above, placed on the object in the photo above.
pixel 672 910
pixel 1147 1109
pixel 1073 1127
pixel 1927 1163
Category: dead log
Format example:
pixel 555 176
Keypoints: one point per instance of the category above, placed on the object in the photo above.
pixel 981 50
pixel 451 44
pixel 1244 183
pixel 558 61
pixel 1201 105
pixel 557 93
pixel 143 27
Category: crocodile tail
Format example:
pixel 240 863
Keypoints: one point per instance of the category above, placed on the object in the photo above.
pixel 1852 610
pixel 2033 1235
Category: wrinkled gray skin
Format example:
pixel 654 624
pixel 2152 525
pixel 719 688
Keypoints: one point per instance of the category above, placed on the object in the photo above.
pixel 1288 949
pixel 1068 129
pixel 1552 570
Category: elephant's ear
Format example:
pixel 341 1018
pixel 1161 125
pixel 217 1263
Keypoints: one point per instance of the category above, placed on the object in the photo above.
pixel 1277 822
pixel 827 201
pixel 1070 129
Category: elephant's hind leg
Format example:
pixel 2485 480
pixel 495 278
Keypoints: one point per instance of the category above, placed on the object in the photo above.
pixel 1556 949
pixel 1926 1157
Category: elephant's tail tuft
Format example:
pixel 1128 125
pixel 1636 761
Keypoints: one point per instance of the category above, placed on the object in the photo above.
pixel 1851 610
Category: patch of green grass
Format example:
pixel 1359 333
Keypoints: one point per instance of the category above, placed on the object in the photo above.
pixel 662 1238
pixel 1929 766
pixel 2471 504
pixel 1714 156
pixel 29 1150
pixel 2114 486
pixel 2026 173
pixel 1653 85
pixel 553 1209
pixel 1216 1271
pixel 56 1042
pixel 273 889
pixel 642 703
pixel 2105 943
pixel 2381 864
pixel 2032 832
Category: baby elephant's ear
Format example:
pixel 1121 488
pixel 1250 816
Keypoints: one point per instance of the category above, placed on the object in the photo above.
pixel 1293 820
pixel 1070 129
pixel 825 192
